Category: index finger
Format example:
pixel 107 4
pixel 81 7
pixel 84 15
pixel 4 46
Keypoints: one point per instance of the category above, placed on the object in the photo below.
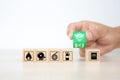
pixel 73 27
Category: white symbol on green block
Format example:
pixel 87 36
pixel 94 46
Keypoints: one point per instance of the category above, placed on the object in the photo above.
pixel 79 39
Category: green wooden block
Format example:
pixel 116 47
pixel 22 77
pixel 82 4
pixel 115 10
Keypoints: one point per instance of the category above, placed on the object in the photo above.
pixel 79 39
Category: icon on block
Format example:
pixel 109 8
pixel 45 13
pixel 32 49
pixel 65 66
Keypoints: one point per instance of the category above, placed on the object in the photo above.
pixel 79 39
pixel 67 55
pixel 54 55
pixel 92 55
pixel 28 55
pixel 41 54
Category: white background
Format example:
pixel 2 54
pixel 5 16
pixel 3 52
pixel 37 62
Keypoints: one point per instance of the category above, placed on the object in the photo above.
pixel 43 23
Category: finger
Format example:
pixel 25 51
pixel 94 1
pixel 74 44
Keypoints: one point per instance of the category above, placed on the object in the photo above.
pixel 79 26
pixel 104 49
pixel 71 28
pixel 89 36
pixel 82 52
pixel 89 43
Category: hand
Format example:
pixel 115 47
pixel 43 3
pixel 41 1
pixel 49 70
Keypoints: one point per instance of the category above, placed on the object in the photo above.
pixel 98 36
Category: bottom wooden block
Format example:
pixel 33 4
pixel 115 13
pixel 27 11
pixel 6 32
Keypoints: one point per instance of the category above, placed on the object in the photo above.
pixel 48 55
pixel 54 55
pixel 41 55
pixel 28 55
pixel 92 55
pixel 67 55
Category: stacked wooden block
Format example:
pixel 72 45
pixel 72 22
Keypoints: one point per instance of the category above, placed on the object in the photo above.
pixel 80 41
pixel 47 55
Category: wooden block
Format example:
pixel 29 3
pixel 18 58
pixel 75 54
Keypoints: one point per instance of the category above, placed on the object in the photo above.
pixel 67 55
pixel 79 39
pixel 41 55
pixel 92 55
pixel 28 55
pixel 54 55
pixel 45 55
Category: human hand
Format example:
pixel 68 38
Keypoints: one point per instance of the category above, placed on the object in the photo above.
pixel 98 36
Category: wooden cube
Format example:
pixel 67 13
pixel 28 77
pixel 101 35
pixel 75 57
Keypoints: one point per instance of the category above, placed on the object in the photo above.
pixel 92 55
pixel 54 55
pixel 67 54
pixel 28 55
pixel 41 55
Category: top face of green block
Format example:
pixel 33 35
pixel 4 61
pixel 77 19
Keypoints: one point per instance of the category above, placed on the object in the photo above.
pixel 79 37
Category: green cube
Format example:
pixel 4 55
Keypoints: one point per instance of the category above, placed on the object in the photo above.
pixel 79 39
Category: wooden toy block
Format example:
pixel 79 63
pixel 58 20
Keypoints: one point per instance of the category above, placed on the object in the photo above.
pixel 79 39
pixel 54 55
pixel 41 55
pixel 45 55
pixel 28 55
pixel 67 55
pixel 92 55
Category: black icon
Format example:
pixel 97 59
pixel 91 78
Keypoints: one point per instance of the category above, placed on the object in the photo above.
pixel 54 56
pixel 67 54
pixel 41 55
pixel 28 56
pixel 93 56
